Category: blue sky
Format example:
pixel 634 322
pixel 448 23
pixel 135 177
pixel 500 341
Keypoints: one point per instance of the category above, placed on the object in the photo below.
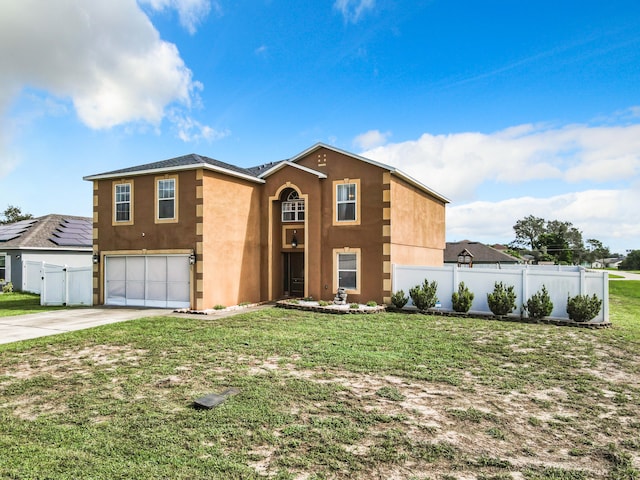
pixel 507 108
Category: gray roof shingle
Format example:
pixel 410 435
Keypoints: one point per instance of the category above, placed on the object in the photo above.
pixel 56 232
pixel 481 253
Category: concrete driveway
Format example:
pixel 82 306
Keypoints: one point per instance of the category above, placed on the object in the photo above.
pixel 23 327
pixel 626 275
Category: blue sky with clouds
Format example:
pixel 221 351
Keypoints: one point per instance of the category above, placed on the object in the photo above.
pixel 507 108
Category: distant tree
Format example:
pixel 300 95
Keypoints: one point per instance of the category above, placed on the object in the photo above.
pixel 597 251
pixel 528 230
pixel 14 214
pixel 632 262
pixel 555 245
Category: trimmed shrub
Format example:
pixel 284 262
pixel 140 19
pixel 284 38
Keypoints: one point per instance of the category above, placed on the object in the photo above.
pixel 399 299
pixel 424 296
pixel 323 303
pixel 503 299
pixel 583 308
pixel 539 305
pixel 7 288
pixel 372 303
pixel 462 299
pixel 354 306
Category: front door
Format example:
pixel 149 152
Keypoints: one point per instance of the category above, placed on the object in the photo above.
pixel 294 274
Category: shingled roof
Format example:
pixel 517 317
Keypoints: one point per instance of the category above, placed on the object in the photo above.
pixel 55 232
pixel 184 162
pixel 481 253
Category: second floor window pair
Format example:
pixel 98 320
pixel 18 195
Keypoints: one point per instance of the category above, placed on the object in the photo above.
pixel 293 206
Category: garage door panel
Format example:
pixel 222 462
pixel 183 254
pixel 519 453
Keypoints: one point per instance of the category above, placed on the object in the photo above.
pixel 151 280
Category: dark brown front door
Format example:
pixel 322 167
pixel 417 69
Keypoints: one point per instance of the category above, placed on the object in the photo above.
pixel 294 274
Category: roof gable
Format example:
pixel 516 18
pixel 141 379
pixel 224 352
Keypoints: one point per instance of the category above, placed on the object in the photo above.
pixel 287 163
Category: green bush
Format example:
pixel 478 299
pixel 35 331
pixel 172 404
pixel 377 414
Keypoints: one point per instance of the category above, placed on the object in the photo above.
pixel 399 299
pixel 219 307
pixel 462 299
pixel 424 296
pixel 583 308
pixel 372 303
pixel 7 288
pixel 323 303
pixel 539 305
pixel 355 306
pixel 503 299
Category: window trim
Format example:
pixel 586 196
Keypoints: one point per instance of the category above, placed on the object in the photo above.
pixel 6 267
pixel 157 199
pixel 357 201
pixel 114 220
pixel 336 264
pixel 293 200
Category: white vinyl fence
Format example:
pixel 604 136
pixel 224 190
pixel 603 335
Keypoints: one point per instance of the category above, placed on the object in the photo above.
pixel 560 282
pixel 60 285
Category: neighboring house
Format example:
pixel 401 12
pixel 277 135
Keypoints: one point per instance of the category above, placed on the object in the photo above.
pixel 54 239
pixel 196 232
pixel 480 253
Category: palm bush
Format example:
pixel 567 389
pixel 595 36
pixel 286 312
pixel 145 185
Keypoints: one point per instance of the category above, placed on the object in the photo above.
pixel 399 299
pixel 424 296
pixel 462 299
pixel 583 308
pixel 539 305
pixel 503 299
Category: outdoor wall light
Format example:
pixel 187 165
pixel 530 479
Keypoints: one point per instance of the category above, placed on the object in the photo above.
pixel 192 259
pixel 96 258
pixel 294 241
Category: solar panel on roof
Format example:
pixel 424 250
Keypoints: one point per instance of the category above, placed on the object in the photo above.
pixel 73 233
pixel 7 237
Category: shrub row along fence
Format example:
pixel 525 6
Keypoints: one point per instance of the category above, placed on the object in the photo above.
pixel 561 283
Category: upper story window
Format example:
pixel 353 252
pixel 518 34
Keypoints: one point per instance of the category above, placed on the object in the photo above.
pixel 166 199
pixel 122 202
pixel 346 202
pixel 293 208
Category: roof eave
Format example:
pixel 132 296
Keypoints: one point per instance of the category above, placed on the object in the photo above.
pixel 192 166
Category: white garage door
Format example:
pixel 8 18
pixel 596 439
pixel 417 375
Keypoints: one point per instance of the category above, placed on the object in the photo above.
pixel 147 280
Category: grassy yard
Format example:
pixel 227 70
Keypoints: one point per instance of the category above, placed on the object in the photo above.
pixel 18 303
pixel 322 396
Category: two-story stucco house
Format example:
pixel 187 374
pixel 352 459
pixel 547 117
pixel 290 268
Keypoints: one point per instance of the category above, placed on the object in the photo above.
pixel 196 232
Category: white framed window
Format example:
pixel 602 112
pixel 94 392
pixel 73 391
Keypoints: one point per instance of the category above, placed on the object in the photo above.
pixel 122 202
pixel 347 269
pixel 293 208
pixel 346 201
pixel 3 267
pixel 167 199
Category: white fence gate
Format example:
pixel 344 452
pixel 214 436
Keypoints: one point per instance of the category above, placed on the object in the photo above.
pixel 560 282
pixel 60 285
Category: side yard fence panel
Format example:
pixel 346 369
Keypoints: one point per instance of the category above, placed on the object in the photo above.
pixel 560 282
pixel 60 285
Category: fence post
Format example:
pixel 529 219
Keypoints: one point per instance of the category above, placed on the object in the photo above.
pixel 583 281
pixel 66 284
pixel 525 289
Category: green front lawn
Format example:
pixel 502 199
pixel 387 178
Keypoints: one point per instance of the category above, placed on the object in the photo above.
pixel 17 303
pixel 326 396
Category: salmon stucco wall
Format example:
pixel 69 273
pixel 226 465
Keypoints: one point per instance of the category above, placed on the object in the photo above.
pixel 228 255
pixel 417 225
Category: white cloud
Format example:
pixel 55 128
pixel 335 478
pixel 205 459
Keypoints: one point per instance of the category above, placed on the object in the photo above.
pixel 371 139
pixel 190 12
pixel 573 157
pixel 608 215
pixel 190 130
pixel 457 164
pixel 106 57
pixel 352 10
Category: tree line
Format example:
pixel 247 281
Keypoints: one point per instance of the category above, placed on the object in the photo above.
pixel 562 243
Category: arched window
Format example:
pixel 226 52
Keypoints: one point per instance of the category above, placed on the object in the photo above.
pixel 293 208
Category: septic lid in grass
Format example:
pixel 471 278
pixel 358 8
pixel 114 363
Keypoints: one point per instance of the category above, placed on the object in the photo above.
pixel 214 399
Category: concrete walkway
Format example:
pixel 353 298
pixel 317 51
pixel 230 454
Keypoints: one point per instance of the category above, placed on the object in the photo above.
pixel 626 275
pixel 24 327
